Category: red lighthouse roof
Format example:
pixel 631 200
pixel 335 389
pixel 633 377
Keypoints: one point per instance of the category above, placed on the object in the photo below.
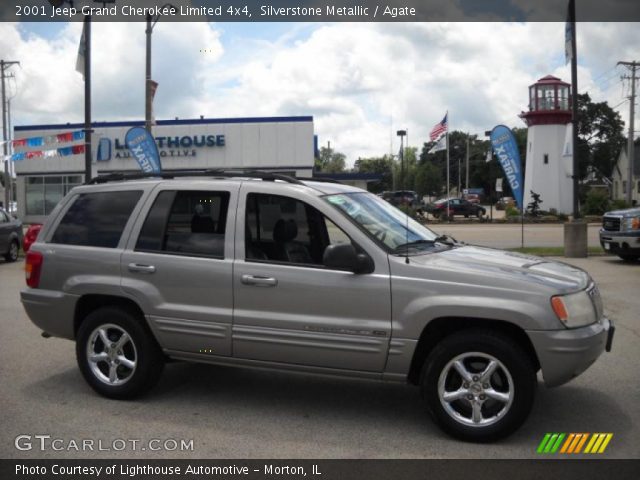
pixel 549 102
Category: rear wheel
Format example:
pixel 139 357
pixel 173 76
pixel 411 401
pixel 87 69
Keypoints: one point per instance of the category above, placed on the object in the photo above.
pixel 12 253
pixel 117 353
pixel 479 386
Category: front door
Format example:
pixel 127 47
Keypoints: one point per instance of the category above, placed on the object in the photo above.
pixel 288 307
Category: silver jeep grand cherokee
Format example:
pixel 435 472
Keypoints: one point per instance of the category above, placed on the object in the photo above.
pixel 263 270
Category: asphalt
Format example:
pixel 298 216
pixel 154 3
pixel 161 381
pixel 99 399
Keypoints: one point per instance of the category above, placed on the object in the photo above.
pixel 242 413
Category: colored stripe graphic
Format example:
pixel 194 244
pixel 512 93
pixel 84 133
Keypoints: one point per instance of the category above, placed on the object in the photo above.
pixel 573 443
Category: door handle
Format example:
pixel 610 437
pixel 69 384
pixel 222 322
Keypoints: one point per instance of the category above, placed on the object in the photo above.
pixel 259 281
pixel 136 267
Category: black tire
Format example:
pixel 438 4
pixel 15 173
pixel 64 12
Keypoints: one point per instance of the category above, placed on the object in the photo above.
pixel 519 380
pixel 629 258
pixel 142 349
pixel 12 253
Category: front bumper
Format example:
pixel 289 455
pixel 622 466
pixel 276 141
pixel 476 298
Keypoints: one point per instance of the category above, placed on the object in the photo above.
pixel 620 242
pixel 565 354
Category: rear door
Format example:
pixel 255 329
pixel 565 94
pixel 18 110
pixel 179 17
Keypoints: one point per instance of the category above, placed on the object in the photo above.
pixel 178 265
pixel 289 308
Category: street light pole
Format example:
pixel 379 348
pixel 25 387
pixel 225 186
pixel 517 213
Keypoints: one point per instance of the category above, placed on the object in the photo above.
pixel 401 134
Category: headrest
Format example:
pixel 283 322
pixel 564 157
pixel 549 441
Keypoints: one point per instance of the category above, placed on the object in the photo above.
pixel 285 230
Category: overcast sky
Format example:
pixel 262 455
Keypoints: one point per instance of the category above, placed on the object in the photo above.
pixel 361 82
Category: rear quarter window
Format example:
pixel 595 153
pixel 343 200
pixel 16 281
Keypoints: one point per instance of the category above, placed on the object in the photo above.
pixel 96 219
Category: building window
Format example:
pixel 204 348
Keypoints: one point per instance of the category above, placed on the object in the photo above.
pixel 615 189
pixel 546 159
pixel 44 192
pixel 624 187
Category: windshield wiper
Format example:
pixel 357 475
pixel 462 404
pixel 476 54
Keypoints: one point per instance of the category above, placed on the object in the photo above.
pixel 407 246
pixel 446 239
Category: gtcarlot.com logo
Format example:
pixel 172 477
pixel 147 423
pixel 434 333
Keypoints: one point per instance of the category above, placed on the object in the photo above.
pixel 574 443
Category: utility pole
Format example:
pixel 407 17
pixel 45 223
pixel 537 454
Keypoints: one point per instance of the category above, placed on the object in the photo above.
pixel 7 174
pixel 466 180
pixel 630 144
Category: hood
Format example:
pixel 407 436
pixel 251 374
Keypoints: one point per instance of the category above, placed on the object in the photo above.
pixel 628 212
pixel 487 265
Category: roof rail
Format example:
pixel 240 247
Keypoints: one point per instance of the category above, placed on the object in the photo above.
pixel 225 173
pixel 320 180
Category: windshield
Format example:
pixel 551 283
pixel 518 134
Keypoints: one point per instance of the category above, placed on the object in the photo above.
pixel 382 221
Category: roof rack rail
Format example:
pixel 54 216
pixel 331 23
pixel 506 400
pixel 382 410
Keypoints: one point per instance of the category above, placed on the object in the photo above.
pixel 320 180
pixel 226 173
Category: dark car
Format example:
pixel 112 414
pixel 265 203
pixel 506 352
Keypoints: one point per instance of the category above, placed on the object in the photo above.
pixel 10 236
pixel 402 197
pixel 620 233
pixel 457 206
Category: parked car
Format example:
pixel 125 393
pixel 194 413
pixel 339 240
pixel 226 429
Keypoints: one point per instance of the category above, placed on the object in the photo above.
pixel 10 236
pixel 30 236
pixel 505 202
pixel 300 275
pixel 456 206
pixel 620 233
pixel 472 198
pixel 402 197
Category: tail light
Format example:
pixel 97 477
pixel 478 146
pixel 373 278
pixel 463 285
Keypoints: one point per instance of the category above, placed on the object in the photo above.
pixel 33 268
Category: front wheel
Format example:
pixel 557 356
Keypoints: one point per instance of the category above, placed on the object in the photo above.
pixel 117 353
pixel 478 385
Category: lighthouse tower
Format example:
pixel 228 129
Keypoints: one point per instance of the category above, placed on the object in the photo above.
pixel 548 172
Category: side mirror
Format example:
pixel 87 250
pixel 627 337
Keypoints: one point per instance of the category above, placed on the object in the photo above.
pixel 343 256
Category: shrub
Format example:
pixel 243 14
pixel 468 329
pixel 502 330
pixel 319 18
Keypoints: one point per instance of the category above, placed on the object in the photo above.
pixel 618 205
pixel 512 211
pixel 597 203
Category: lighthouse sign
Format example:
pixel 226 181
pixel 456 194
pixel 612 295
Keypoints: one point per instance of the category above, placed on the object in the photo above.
pixel 506 149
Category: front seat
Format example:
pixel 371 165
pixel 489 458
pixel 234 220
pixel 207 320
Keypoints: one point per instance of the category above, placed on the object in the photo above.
pixel 286 248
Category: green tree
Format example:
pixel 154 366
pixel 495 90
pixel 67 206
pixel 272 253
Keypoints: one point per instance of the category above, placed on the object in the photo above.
pixel 330 161
pixel 600 137
pixel 378 165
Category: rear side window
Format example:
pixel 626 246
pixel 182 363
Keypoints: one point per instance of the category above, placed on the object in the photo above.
pixel 186 223
pixel 97 219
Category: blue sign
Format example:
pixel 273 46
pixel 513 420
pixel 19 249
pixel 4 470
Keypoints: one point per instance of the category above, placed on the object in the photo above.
pixel 506 149
pixel 143 147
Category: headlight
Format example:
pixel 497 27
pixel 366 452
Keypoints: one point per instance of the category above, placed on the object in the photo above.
pixel 575 310
pixel 632 223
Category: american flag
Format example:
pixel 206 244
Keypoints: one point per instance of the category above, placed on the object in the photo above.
pixel 438 129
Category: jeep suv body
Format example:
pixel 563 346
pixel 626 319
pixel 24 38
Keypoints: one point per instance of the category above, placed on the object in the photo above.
pixel 308 276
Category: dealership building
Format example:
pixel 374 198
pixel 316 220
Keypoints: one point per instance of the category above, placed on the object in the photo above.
pixel 45 174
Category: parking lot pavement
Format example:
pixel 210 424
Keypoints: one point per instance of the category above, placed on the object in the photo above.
pixel 508 235
pixel 241 413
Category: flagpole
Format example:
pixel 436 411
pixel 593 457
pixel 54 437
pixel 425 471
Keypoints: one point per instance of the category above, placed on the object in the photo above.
pixel 447 134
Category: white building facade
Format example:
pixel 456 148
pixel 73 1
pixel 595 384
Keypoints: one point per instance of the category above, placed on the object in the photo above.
pixel 548 164
pixel 277 144
pixel 620 176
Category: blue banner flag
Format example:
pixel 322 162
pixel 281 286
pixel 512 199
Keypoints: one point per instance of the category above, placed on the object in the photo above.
pixel 143 147
pixel 505 149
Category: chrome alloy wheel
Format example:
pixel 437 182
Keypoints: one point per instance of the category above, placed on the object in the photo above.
pixel 476 389
pixel 111 354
